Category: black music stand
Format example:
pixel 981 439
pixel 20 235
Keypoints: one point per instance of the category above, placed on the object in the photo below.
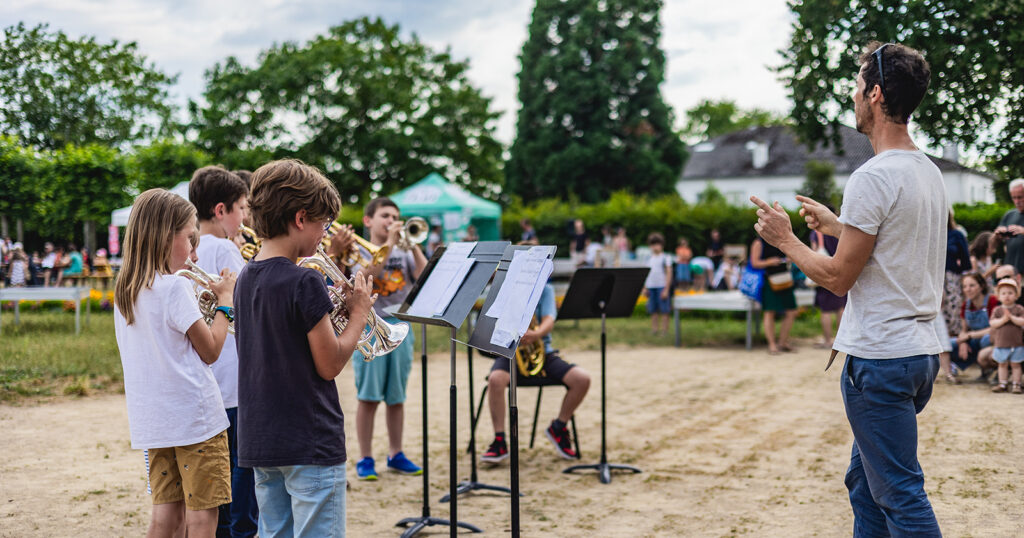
pixel 472 484
pixel 487 255
pixel 481 340
pixel 604 293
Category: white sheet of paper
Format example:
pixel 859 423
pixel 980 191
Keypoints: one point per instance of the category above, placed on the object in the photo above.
pixel 444 281
pixel 519 294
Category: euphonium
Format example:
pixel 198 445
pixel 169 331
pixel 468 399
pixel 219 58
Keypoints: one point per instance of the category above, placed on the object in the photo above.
pixel 379 337
pixel 201 281
pixel 414 232
pixel 249 250
pixel 530 358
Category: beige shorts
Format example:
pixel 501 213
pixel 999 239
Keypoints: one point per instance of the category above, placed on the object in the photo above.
pixel 199 474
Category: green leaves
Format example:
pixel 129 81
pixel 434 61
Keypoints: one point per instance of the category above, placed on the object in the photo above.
pixel 592 119
pixel 975 49
pixel 55 90
pixel 374 111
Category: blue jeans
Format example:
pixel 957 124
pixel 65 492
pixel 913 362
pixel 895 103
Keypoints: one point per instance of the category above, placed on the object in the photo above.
pixel 885 481
pixel 238 519
pixel 301 500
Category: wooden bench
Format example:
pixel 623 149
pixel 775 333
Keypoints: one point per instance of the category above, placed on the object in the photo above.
pixel 727 301
pixel 47 294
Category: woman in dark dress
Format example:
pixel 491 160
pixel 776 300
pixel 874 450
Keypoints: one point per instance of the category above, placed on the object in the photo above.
pixel 773 262
pixel 826 301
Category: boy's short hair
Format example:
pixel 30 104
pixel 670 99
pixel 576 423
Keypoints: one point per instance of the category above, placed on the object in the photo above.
pixel 656 238
pixel 906 75
pixel 377 203
pixel 211 185
pixel 280 189
pixel 245 175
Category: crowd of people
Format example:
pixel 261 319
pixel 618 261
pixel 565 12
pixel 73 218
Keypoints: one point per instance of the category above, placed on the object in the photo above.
pixel 55 266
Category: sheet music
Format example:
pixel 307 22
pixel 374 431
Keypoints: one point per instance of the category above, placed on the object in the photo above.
pixel 517 299
pixel 444 281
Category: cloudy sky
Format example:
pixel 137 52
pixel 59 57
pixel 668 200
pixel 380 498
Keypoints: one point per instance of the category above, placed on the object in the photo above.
pixel 718 49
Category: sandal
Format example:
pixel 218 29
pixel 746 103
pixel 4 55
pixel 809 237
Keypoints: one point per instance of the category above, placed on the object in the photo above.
pixel 1016 389
pixel 1001 387
pixel 952 379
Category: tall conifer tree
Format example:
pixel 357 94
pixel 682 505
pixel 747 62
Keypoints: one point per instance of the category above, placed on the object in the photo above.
pixel 592 119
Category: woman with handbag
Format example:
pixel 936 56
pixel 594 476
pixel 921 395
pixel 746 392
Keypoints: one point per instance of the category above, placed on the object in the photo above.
pixel 776 294
pixel 829 303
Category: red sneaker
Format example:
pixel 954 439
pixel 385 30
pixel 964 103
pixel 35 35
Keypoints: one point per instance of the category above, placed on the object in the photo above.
pixel 562 441
pixel 496 453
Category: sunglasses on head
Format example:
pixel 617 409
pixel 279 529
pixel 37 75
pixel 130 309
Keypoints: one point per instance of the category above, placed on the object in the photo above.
pixel 881 72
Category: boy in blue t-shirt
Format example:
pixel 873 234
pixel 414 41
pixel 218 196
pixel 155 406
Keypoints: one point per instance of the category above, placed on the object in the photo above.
pixel 291 429
pixel 575 379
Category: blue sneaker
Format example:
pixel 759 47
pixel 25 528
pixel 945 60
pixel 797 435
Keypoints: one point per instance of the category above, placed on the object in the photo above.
pixel 402 464
pixel 365 469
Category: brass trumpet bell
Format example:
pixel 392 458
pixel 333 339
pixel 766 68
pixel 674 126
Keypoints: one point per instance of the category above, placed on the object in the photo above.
pixel 414 232
pixel 201 281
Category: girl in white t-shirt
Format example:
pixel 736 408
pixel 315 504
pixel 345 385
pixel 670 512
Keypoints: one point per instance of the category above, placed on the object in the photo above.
pixel 175 410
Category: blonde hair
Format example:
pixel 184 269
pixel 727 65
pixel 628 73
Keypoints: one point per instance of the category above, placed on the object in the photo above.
pixel 157 215
pixel 282 188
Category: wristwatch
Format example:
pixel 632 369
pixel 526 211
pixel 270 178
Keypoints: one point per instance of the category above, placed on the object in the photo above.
pixel 229 312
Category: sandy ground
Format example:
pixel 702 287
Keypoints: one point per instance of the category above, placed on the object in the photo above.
pixel 730 442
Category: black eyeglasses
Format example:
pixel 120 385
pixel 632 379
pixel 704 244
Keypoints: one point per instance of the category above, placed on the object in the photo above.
pixel 881 72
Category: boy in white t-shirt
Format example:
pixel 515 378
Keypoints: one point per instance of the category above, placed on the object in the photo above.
pixel 220 198
pixel 656 287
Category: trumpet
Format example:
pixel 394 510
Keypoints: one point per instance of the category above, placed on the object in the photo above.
pixel 530 358
pixel 379 337
pixel 201 281
pixel 249 250
pixel 414 232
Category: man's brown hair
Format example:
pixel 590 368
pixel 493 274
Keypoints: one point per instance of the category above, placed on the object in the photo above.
pixel 280 189
pixel 906 75
pixel 211 185
pixel 245 175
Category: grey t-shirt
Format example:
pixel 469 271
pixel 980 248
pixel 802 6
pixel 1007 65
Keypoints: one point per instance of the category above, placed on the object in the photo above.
pixel 395 280
pixel 1014 244
pixel 899 197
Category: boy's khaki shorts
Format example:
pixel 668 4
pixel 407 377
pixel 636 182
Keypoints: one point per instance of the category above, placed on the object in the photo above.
pixel 199 474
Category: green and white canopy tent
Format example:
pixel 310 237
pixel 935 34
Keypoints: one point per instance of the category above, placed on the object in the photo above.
pixel 453 208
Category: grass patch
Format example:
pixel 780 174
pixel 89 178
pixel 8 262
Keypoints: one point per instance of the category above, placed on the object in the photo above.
pixel 42 357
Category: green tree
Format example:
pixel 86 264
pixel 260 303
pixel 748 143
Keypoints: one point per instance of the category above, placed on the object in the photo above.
pixel 164 164
pixel 711 196
pixel 376 112
pixel 975 49
pixel 820 183
pixel 83 184
pixel 709 119
pixel 592 119
pixel 56 90
pixel 19 180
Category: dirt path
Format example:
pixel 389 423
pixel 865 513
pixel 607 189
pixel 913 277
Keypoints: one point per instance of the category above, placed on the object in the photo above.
pixel 731 443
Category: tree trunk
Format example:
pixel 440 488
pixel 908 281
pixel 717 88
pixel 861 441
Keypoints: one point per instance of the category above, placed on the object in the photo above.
pixel 3 226
pixel 89 236
pixel 19 230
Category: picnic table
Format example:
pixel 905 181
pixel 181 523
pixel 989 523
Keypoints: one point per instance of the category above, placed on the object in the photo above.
pixel 727 301
pixel 47 294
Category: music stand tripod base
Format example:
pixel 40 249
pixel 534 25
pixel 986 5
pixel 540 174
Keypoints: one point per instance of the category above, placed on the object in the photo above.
pixel 604 470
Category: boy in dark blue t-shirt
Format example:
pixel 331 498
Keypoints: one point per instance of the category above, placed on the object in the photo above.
pixel 291 429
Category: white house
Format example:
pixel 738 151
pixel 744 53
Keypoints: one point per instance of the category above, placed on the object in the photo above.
pixel 770 162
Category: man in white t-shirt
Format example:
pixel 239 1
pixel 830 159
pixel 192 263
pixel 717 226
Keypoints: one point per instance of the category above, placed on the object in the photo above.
pixel 220 198
pixel 890 258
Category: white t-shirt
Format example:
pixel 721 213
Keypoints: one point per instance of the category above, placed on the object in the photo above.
pixel 899 197
pixel 658 263
pixel 216 253
pixel 172 396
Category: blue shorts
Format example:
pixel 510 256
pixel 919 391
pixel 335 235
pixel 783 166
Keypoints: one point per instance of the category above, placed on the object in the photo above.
pixel 657 305
pixel 1012 354
pixel 384 378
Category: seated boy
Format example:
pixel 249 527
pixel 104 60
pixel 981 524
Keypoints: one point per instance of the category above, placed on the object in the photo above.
pixel 291 429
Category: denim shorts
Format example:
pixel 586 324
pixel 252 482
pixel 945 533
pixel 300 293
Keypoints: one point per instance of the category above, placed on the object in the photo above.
pixel 309 497
pixel 1012 354
pixel 657 305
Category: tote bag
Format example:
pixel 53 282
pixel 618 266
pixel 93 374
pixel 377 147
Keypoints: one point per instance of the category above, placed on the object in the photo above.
pixel 751 282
